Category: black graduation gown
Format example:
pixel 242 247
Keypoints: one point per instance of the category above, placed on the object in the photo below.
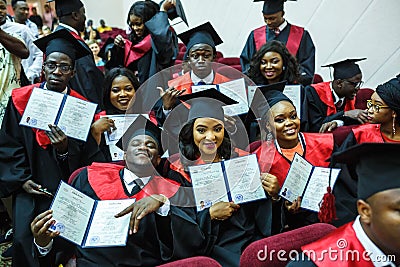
pixel 303 261
pixel 88 79
pixel 305 55
pixel 159 239
pixel 314 111
pixel 227 239
pixel 22 159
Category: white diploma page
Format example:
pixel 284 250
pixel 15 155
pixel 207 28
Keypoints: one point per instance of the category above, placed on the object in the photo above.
pixel 72 211
pixel 316 187
pixel 76 118
pixel 105 230
pixel 244 179
pixel 296 179
pixel 236 90
pixel 122 123
pixel 294 94
pixel 89 223
pixel 208 185
pixel 42 109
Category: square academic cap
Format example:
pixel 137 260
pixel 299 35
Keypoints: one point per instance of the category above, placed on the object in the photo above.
pixel 62 41
pixel 178 11
pixel 66 7
pixel 345 69
pixel 202 34
pixel 377 166
pixel 141 126
pixel 206 104
pixel 272 6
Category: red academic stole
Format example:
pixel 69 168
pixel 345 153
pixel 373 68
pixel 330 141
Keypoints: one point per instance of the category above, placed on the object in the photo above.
pixel 106 182
pixel 325 94
pixel 185 82
pixel 318 150
pixel 343 244
pixel 20 98
pixel 293 42
pixel 368 133
pixel 134 52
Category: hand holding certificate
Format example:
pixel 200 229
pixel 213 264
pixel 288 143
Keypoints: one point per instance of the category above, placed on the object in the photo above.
pixel 72 115
pixel 86 222
pixel 306 181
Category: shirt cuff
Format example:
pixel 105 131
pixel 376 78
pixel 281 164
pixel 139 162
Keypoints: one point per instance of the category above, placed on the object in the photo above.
pixel 166 111
pixel 340 123
pixel 43 251
pixel 164 209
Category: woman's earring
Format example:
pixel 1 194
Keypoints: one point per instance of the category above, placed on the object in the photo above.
pixel 394 126
pixel 283 68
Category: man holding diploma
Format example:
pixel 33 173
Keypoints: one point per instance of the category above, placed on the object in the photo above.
pixel 32 160
pixel 158 231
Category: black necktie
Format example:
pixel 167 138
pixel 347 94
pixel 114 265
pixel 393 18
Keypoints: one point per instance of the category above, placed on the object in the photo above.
pixel 201 83
pixel 138 186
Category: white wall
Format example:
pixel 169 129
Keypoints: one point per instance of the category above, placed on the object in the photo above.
pixel 339 28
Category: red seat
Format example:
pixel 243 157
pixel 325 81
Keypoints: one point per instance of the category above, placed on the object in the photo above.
pixel 180 55
pixel 362 96
pixel 259 253
pixel 74 174
pixel 229 60
pixel 181 47
pixel 317 78
pixel 218 56
pixel 341 133
pixel 230 72
pixel 253 146
pixel 199 261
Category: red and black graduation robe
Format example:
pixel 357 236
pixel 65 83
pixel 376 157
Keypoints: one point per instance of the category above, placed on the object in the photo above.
pixel 317 149
pixel 319 107
pixel 159 238
pixel 27 154
pixel 297 40
pixel 226 239
pixel 88 79
pixel 341 252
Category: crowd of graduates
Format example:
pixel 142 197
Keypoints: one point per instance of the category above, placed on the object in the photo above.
pixel 177 128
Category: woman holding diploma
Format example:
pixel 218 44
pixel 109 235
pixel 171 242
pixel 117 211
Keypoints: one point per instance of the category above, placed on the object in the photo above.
pixel 315 148
pixel 203 139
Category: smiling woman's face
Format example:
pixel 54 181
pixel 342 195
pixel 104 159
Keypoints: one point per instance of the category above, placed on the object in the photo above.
pixel 208 135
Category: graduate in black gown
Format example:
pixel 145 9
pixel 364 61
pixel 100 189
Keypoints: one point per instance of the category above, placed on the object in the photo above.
pixel 31 159
pixel 159 231
pixel 297 40
pixel 203 139
pixel 152 45
pixel 88 79
pixel 335 100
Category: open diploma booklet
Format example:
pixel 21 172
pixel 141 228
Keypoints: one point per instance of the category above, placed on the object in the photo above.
pixel 72 115
pixel 87 222
pixel 235 89
pixel 236 180
pixel 307 181
pixel 122 123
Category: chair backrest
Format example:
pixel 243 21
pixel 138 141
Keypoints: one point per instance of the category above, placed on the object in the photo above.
pixel 278 250
pixel 362 96
pixel 230 72
pixel 199 261
pixel 74 174
pixel 317 78
pixel 229 60
pixel 341 133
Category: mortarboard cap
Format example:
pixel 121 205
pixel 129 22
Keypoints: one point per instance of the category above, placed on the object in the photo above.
pixel 62 41
pixel 177 11
pixel 377 166
pixel 271 6
pixel 141 126
pixel 66 7
pixel 273 93
pixel 345 69
pixel 206 104
pixel 202 34
pixel 13 2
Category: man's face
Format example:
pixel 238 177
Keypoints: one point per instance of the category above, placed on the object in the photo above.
pixel 3 11
pixel 142 152
pixel 273 21
pixel 349 87
pixel 58 70
pixel 200 58
pixel 381 220
pixel 81 19
pixel 21 11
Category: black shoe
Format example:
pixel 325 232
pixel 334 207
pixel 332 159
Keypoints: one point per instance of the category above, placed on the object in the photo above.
pixel 7 237
pixel 7 254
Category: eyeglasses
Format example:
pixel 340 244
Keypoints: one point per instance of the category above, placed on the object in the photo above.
pixel 64 68
pixel 376 107
pixel 355 84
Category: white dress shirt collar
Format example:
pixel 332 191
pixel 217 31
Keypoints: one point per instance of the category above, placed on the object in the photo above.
pixel 69 28
pixel 208 80
pixel 335 96
pixel 376 255
pixel 63 92
pixel 283 25
pixel 129 178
